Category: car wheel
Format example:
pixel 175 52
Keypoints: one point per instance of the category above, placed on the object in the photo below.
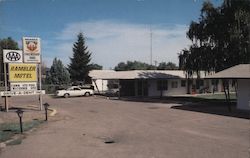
pixel 117 93
pixel 87 94
pixel 66 95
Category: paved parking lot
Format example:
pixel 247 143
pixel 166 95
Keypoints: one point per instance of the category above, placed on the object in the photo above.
pixel 94 127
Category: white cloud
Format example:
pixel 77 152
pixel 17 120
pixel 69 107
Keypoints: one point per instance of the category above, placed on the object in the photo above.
pixel 112 42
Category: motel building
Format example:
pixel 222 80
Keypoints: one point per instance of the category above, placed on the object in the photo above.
pixel 241 73
pixel 152 83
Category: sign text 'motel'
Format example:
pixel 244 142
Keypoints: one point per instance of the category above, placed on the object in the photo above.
pixel 22 72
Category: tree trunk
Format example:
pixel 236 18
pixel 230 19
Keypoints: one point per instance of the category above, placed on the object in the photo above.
pixel 227 94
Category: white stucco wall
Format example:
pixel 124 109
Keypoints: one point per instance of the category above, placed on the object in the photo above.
pixel 243 97
pixel 152 89
pixel 219 86
pixel 101 85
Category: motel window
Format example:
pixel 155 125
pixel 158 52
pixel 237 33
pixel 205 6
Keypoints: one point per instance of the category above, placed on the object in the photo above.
pixel 162 85
pixel 199 83
pixel 174 84
pixel 215 82
pixel 183 83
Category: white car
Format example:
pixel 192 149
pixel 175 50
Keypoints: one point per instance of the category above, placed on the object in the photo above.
pixel 74 91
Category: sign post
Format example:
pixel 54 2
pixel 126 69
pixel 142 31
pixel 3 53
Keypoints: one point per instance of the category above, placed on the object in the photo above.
pixel 32 54
pixel 6 88
pixel 40 87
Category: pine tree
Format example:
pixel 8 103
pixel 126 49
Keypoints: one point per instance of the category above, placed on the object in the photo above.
pixel 79 66
pixel 58 75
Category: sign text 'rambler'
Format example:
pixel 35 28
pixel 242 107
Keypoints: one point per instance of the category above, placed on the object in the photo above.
pixel 22 72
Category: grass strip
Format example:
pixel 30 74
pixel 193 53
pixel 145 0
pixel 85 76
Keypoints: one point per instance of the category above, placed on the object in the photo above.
pixel 8 130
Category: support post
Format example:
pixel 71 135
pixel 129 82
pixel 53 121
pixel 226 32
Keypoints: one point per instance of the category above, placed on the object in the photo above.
pixel 94 80
pixel 119 86
pixel 6 102
pixel 21 124
pixel 40 87
pixel 227 94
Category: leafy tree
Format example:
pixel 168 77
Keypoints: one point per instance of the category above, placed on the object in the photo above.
pixel 121 66
pixel 167 66
pixel 79 66
pixel 44 70
pixel 137 65
pixel 221 38
pixel 95 67
pixel 133 65
pixel 58 74
pixel 6 43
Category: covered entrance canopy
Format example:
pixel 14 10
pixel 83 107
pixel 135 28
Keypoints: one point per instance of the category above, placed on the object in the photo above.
pixel 242 74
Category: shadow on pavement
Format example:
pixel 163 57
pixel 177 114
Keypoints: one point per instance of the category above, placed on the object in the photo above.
pixel 209 106
pixel 214 108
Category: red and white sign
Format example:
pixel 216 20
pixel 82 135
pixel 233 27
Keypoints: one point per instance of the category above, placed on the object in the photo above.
pixel 31 49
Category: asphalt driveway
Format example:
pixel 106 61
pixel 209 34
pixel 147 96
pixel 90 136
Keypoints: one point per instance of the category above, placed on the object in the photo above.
pixel 94 127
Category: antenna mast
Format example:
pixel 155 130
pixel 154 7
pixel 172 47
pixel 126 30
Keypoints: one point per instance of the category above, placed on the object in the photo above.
pixel 151 47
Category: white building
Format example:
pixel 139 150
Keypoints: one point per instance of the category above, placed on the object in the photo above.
pixel 150 82
pixel 241 73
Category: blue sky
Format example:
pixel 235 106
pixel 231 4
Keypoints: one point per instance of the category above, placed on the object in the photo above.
pixel 116 30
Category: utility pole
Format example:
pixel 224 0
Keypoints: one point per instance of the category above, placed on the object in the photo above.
pixel 151 46
pixel 155 64
pixel 249 42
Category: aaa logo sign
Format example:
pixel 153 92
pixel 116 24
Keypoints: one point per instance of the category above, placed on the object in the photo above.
pixel 22 72
pixel 12 56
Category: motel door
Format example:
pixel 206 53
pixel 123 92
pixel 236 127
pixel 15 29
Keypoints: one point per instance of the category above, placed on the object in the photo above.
pixel 142 88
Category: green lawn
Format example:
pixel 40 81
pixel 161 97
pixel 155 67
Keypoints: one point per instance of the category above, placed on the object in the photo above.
pixel 201 98
pixel 216 96
pixel 8 130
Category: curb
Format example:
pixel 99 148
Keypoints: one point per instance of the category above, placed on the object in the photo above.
pixel 16 137
pixel 53 112
pixel 2 146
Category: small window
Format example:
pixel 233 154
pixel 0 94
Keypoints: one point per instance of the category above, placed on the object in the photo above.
pixel 215 82
pixel 162 85
pixel 183 83
pixel 201 82
pixel 174 84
